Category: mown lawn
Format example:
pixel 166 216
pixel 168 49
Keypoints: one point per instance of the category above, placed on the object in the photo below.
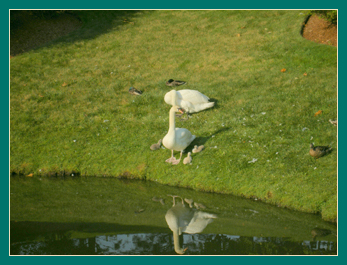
pixel 70 108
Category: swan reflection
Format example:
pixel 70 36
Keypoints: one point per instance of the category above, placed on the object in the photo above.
pixel 185 219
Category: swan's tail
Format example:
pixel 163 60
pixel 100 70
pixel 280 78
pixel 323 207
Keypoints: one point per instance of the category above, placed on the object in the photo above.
pixel 203 106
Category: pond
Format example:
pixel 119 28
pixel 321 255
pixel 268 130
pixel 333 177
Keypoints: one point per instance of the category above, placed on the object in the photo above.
pixel 109 216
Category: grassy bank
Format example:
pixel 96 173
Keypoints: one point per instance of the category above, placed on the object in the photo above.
pixel 70 108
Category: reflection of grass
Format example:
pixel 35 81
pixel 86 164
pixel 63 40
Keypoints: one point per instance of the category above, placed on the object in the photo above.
pixel 94 126
pixel 90 206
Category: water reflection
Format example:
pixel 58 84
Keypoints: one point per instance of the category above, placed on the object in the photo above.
pixel 186 219
pixel 146 222
pixel 320 232
pixel 161 244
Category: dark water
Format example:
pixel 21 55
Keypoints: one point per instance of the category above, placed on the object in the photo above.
pixel 241 227
pixel 137 243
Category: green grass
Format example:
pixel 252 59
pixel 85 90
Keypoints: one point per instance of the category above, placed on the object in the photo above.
pixel 94 126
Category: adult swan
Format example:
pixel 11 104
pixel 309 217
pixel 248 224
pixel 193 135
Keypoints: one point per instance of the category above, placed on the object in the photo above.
pixel 176 139
pixel 189 100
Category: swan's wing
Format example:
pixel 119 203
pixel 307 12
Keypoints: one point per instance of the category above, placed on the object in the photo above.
pixel 186 105
pixel 183 138
pixel 191 108
pixel 202 106
pixel 198 223
pixel 184 219
pixel 194 96
pixel 168 98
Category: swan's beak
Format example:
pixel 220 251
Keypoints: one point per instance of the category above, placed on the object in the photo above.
pixel 181 251
pixel 181 110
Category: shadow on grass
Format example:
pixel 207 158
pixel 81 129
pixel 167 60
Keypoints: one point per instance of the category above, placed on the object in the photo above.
pixel 202 140
pixel 215 102
pixel 31 30
pixel 98 22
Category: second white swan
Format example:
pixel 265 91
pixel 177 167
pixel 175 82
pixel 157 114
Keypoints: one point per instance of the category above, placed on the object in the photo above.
pixel 189 100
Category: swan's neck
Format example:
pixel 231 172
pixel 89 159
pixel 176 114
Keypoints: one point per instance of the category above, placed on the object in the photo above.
pixel 178 248
pixel 172 111
pixel 173 97
pixel 172 124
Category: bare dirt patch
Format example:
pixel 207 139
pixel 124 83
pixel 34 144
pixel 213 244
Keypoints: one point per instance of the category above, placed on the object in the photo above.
pixel 319 30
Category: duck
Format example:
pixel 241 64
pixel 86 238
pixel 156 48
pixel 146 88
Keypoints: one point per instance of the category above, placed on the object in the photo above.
pixel 135 91
pixel 333 122
pixel 198 149
pixel 181 219
pixel 190 101
pixel 188 159
pixel 156 146
pixel 177 139
pixel 320 232
pixel 172 82
pixel 319 151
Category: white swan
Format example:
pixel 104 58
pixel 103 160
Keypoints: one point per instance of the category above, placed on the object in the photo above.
pixel 183 219
pixel 177 139
pixel 189 100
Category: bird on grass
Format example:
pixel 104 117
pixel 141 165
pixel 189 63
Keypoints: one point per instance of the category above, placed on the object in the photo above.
pixel 190 101
pixel 156 146
pixel 172 82
pixel 188 159
pixel 198 149
pixel 319 151
pixel 135 91
pixel 333 122
pixel 177 139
